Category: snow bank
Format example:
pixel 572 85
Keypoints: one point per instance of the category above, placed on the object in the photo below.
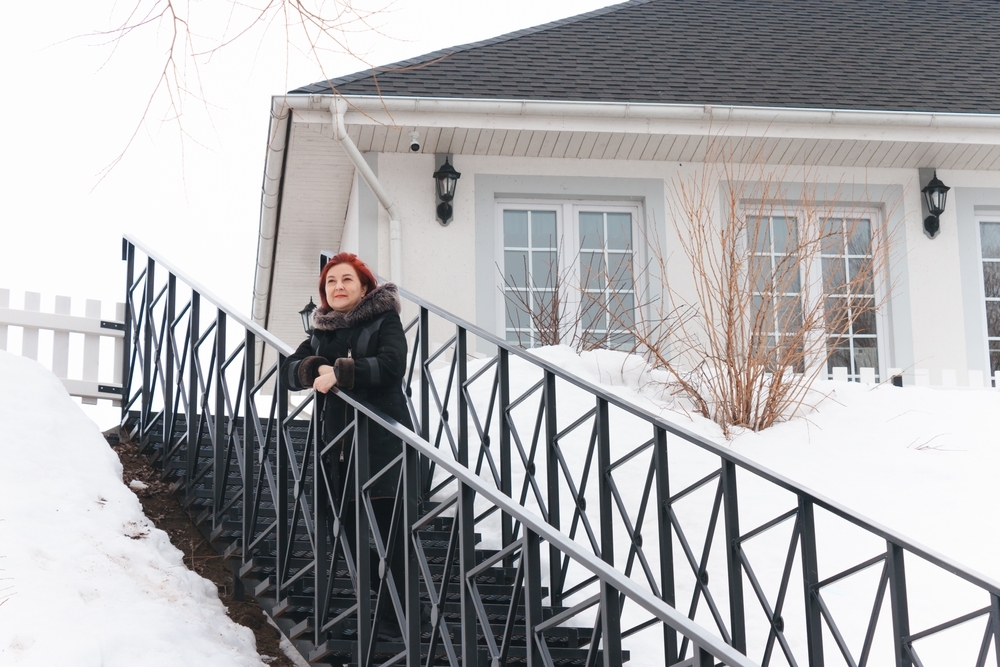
pixel 85 578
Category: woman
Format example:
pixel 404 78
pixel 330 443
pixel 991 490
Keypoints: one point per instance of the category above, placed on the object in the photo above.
pixel 357 344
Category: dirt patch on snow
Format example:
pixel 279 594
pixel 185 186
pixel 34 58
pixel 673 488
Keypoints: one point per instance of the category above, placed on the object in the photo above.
pixel 164 509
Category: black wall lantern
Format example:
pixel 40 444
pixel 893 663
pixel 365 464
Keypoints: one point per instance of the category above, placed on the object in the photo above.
pixel 935 195
pixel 306 315
pixel 445 179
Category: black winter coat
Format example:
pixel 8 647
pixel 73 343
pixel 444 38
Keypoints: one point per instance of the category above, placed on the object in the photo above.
pixel 367 348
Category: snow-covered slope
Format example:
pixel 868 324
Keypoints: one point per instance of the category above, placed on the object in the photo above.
pixel 85 579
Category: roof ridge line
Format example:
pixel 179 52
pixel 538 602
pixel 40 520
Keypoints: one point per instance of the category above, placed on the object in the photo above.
pixel 451 50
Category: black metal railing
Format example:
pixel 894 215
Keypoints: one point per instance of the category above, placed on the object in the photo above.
pixel 611 532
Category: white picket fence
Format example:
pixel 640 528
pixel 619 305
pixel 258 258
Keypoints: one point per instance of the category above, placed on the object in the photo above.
pixel 90 387
pixel 921 377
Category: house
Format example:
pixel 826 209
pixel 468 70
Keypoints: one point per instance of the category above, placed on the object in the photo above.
pixel 589 123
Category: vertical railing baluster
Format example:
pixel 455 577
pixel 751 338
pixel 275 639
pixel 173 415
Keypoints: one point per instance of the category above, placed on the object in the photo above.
pixel 168 367
pixel 193 434
pixel 411 490
pixel 995 618
pixel 321 520
pixel 218 445
pixel 730 503
pixel 466 507
pixel 147 346
pixel 362 559
pixel 282 472
pixel 532 566
pixel 249 437
pixel 506 483
pixel 611 626
pixel 552 486
pixel 899 605
pixel 666 542
pixel 810 577
pixel 128 256
pixel 424 335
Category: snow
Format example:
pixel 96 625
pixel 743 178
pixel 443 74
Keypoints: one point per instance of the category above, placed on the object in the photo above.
pixel 85 579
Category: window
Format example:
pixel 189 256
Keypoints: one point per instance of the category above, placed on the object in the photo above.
pixel 843 288
pixel 849 294
pixel 568 274
pixel 989 237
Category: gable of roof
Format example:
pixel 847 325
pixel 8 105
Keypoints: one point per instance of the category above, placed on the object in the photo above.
pixel 895 55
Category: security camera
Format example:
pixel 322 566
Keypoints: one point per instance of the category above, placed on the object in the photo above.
pixel 414 141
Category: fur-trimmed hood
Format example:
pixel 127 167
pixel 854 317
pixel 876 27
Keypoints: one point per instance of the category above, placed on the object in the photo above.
pixel 382 299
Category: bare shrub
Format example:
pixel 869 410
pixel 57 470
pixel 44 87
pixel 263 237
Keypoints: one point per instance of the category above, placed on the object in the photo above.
pixel 781 291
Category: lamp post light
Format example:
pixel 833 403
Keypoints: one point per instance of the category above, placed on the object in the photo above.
pixel 935 195
pixel 306 315
pixel 445 179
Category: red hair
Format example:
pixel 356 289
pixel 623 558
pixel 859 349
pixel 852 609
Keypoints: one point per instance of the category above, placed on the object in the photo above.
pixel 365 274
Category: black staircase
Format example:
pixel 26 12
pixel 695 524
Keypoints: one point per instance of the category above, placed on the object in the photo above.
pixel 294 612
pixel 582 531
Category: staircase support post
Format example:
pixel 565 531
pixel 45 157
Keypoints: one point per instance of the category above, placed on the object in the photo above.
pixel 466 508
pixel 282 468
pixel 249 438
pixel 611 625
pixel 810 577
pixel 192 423
pixel 552 486
pixel 733 561
pixel 218 442
pixel 667 589
pixel 424 333
pixel 899 605
pixel 147 349
pixel 411 490
pixel 128 255
pixel 506 486
pixel 531 562
pixel 995 618
pixel 361 539
pixel 168 368
pixel 321 520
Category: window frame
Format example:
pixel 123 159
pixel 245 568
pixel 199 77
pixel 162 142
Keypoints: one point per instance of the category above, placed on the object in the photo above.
pixel 811 282
pixel 981 283
pixel 568 251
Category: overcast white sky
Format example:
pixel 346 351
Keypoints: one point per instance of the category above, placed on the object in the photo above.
pixel 70 105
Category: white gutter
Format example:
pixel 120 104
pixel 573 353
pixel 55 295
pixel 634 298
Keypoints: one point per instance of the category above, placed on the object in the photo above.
pixel 688 112
pixel 270 193
pixel 395 226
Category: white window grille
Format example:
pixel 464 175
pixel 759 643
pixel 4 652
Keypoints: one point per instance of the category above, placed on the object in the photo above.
pixel 567 273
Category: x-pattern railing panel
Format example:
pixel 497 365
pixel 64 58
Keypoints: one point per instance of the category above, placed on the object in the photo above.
pixel 630 527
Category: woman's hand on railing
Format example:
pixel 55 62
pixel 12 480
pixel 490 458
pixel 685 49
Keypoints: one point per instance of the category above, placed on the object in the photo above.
pixel 326 380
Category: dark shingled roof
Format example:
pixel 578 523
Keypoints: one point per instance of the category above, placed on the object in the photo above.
pixel 892 55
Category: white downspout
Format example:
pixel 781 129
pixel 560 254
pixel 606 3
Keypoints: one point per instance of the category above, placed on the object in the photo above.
pixel 395 226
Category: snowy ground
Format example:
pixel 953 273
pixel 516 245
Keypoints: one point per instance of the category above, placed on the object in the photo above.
pixel 86 580
pixel 923 462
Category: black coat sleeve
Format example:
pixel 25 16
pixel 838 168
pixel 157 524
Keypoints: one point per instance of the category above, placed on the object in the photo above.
pixel 301 368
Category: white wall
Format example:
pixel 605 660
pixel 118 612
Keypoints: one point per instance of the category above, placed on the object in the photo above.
pixel 929 316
